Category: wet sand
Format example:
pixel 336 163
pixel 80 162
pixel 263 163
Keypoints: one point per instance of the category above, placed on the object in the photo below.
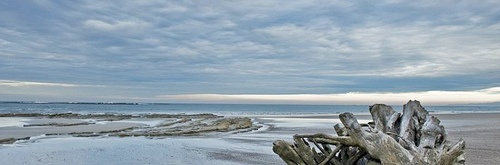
pixel 19 130
pixel 480 131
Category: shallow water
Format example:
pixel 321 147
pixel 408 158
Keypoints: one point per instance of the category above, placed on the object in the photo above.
pixel 242 148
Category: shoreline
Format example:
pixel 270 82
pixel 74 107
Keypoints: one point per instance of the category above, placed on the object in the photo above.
pixel 480 131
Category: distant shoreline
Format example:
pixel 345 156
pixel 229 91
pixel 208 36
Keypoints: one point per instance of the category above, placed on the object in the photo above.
pixel 96 103
pixel 174 103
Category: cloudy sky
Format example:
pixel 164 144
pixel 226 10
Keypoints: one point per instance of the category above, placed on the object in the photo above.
pixel 260 51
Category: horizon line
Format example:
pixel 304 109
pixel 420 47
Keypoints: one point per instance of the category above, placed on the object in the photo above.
pixel 234 103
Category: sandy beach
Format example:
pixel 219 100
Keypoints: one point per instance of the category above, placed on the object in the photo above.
pixel 480 131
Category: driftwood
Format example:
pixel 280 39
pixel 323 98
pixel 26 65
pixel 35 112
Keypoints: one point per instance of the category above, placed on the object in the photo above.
pixel 413 137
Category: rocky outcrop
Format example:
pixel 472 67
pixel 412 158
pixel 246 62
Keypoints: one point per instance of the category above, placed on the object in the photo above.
pixel 173 125
pixel 12 140
pixel 189 126
pixel 54 124
pixel 231 124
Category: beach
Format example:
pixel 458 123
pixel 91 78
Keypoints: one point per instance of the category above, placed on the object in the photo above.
pixel 479 130
pixel 481 133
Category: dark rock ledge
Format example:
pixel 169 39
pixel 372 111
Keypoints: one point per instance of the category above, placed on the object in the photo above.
pixel 172 125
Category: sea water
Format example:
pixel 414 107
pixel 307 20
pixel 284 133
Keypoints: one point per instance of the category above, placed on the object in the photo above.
pixel 219 109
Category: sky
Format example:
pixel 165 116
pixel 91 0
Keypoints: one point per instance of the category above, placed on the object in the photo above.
pixel 260 51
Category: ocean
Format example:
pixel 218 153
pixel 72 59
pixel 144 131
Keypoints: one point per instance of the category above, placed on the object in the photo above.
pixel 218 109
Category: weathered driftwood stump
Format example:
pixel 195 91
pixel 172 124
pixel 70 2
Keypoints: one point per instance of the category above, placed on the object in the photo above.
pixel 413 137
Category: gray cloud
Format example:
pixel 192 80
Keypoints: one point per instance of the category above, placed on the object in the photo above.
pixel 253 46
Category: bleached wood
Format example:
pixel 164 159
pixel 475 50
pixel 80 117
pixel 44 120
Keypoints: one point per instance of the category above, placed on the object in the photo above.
pixel 413 137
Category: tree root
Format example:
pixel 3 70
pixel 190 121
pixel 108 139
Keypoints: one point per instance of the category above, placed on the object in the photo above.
pixel 415 137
